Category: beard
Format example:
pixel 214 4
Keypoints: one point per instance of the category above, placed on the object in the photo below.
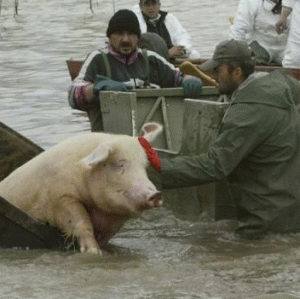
pixel 126 48
pixel 228 87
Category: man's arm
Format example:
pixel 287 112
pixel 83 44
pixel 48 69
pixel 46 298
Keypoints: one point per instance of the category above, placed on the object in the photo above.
pixel 281 25
pixel 240 135
pixel 177 51
pixel 81 95
pixel 180 38
pixel 165 74
pixel 244 19
pixel 84 90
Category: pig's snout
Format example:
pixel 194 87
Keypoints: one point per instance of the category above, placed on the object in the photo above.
pixel 152 201
pixel 155 200
pixel 143 195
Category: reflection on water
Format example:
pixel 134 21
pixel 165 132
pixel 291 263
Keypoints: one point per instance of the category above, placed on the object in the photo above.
pixel 160 255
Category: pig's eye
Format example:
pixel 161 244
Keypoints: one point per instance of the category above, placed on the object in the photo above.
pixel 121 166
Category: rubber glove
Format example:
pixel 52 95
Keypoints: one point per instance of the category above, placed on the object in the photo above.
pixel 192 87
pixel 104 83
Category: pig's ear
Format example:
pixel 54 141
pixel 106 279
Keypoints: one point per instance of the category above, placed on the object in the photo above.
pixel 151 131
pixel 99 155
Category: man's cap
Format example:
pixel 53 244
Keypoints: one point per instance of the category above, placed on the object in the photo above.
pixel 228 50
pixel 124 20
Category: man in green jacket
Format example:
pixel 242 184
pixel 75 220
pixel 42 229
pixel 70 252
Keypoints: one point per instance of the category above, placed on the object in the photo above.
pixel 257 150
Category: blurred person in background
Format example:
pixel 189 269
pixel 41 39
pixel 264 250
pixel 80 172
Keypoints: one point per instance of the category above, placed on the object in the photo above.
pixel 292 54
pixel 255 23
pixel 165 24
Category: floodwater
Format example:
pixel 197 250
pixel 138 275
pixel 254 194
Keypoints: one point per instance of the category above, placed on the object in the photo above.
pixel 163 255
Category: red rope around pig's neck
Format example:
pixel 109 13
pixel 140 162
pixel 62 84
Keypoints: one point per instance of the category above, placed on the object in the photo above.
pixel 151 153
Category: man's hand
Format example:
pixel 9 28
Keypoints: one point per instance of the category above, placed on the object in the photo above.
pixel 104 83
pixel 281 25
pixel 177 51
pixel 192 87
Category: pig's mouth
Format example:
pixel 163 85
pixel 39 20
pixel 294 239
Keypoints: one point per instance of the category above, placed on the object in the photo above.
pixel 154 201
pixel 139 203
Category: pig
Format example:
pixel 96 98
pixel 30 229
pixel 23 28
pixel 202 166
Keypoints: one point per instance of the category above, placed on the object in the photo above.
pixel 86 186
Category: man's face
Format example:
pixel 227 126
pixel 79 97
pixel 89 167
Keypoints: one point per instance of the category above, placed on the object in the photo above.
pixel 150 8
pixel 124 42
pixel 227 80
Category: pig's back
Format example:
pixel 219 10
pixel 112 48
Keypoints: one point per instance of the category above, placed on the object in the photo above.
pixel 59 162
pixel 33 176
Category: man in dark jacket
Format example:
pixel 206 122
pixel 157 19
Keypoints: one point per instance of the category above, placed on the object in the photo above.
pixel 122 67
pixel 257 150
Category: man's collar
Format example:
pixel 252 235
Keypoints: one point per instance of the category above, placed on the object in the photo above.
pixel 250 79
pixel 126 59
pixel 153 20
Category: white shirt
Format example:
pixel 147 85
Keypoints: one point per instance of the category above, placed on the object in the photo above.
pixel 255 21
pixel 179 36
pixel 292 53
pixel 288 3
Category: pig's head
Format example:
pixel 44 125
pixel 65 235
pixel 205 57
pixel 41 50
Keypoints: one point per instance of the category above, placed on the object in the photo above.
pixel 118 180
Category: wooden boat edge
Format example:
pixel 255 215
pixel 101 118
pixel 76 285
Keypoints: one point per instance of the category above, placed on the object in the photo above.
pixel 75 65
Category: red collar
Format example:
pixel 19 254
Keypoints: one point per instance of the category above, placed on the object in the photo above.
pixel 123 59
pixel 151 153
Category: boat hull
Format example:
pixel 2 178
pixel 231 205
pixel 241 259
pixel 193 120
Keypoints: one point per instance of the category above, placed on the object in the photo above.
pixel 17 229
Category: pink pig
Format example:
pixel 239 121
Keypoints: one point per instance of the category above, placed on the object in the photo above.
pixel 86 186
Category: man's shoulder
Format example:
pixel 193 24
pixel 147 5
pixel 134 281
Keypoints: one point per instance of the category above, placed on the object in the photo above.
pixel 136 8
pixel 172 20
pixel 155 57
pixel 95 55
pixel 170 16
pixel 250 6
pixel 164 13
pixel 272 89
pixel 92 61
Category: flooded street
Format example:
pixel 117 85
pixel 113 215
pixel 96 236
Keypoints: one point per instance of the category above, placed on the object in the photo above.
pixel 162 255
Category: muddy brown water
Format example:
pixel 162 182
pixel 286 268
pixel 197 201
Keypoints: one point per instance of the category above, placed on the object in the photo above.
pixel 165 254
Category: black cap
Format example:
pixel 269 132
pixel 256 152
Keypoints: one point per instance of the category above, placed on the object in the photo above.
pixel 228 50
pixel 124 20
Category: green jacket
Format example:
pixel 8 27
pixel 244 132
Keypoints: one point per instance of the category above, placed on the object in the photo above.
pixel 257 152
